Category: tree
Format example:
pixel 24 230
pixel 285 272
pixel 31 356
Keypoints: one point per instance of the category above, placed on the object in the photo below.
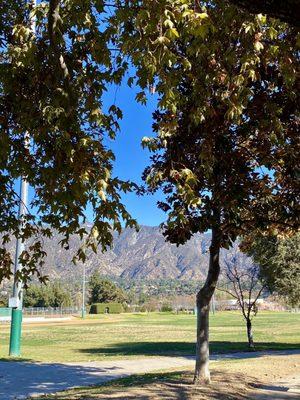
pixel 243 284
pixel 103 290
pixel 35 297
pixel 51 295
pixel 287 11
pixel 3 298
pixel 279 263
pixel 54 129
pixel 226 126
pixel 62 296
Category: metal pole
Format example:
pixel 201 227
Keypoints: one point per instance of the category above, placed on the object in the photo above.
pixel 83 294
pixel 17 300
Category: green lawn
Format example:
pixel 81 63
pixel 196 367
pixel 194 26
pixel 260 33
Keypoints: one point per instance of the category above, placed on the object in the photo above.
pixel 126 335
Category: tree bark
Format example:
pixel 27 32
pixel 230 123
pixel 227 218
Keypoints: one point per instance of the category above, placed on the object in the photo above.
pixel 250 335
pixel 285 10
pixel 202 374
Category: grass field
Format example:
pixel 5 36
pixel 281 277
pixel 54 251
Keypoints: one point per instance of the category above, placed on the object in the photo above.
pixel 127 335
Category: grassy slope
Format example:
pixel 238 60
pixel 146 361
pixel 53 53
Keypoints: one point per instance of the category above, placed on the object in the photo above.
pixel 127 335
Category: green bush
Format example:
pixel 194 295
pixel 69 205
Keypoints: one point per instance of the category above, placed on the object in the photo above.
pixel 166 308
pixel 106 308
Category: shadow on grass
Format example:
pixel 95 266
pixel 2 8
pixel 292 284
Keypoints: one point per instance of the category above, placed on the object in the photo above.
pixel 182 348
pixel 14 359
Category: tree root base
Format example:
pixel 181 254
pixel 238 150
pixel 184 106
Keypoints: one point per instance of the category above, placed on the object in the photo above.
pixel 201 381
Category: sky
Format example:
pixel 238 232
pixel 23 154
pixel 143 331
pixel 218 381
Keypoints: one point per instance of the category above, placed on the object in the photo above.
pixel 131 158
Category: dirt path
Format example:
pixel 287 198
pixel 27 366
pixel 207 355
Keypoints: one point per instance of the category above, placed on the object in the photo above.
pixel 19 380
pixel 289 388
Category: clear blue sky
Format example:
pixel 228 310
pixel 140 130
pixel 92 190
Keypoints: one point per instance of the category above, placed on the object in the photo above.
pixel 131 158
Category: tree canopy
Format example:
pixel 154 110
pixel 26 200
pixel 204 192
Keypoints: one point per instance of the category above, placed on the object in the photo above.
pixel 287 11
pixel 55 64
pixel 51 295
pixel 103 290
pixel 279 262
pixel 57 60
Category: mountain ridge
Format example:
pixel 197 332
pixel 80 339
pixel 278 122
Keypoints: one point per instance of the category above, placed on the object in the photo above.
pixel 138 255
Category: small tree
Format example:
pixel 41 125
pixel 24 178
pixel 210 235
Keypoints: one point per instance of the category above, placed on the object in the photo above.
pixel 244 285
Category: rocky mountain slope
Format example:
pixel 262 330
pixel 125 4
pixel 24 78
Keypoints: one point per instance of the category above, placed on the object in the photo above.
pixel 139 255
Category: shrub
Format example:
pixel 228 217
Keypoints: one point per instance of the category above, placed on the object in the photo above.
pixel 109 308
pixel 166 308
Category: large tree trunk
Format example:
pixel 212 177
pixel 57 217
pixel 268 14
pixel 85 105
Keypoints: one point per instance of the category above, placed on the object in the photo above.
pixel 249 334
pixel 202 374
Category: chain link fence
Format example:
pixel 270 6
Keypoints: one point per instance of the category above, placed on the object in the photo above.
pixel 50 311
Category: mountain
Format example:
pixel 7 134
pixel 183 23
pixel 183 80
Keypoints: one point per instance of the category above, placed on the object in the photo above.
pixel 138 255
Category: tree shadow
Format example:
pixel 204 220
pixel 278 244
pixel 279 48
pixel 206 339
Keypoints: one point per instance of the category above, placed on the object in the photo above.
pixel 16 359
pixel 183 348
pixel 30 379
pixel 169 386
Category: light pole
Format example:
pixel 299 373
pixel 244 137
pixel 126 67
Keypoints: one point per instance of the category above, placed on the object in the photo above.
pixel 83 294
pixel 16 302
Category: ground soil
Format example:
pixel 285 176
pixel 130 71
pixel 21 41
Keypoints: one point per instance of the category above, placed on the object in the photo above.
pixel 231 380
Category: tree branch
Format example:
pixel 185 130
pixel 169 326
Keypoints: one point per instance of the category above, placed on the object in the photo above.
pixel 285 10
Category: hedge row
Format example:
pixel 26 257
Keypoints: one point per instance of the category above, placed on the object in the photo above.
pixel 109 308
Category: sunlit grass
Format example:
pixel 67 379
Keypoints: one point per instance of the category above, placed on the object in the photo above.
pixel 139 335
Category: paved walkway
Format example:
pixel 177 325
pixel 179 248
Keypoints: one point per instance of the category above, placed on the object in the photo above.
pixel 18 380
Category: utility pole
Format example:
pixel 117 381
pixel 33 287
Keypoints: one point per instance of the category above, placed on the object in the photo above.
pixel 83 293
pixel 16 302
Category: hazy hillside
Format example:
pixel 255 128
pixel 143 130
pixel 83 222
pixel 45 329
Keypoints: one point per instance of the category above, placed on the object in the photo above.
pixel 138 255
